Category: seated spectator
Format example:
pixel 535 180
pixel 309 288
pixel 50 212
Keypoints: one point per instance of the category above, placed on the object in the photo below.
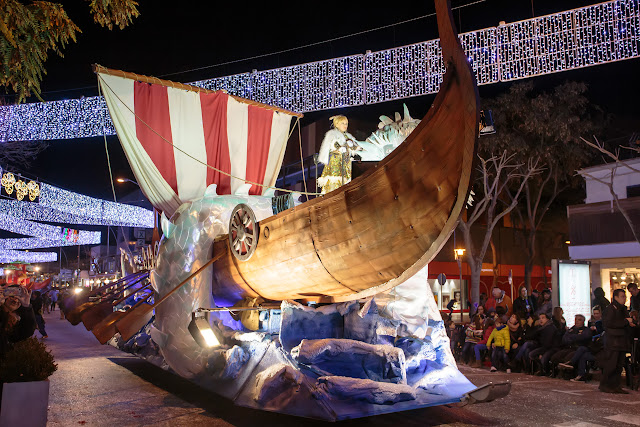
pixel 17 321
pixel 479 310
pixel 558 320
pixel 473 336
pixel 499 299
pixel 489 325
pixel 523 306
pixel 585 354
pixel 516 332
pixel 499 342
pixel 544 304
pixel 548 339
pixel 579 335
pixel 595 323
pixel 530 329
pixel 483 301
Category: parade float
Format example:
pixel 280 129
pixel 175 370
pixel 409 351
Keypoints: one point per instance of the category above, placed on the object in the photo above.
pixel 321 309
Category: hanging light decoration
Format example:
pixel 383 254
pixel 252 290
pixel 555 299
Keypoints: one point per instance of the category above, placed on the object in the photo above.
pixel 578 38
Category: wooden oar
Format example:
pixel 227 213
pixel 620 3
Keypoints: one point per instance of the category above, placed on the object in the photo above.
pixel 106 329
pixel 95 314
pixel 73 301
pixel 140 315
pixel 74 316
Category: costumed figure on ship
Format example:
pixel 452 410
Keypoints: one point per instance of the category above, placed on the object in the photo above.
pixel 336 153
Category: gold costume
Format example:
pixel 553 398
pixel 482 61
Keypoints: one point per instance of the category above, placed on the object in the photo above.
pixel 337 172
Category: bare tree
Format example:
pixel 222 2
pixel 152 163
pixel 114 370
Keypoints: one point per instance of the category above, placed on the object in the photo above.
pixel 615 156
pixel 495 175
pixel 545 126
pixel 19 154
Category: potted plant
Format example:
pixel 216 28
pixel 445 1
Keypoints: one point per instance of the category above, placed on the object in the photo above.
pixel 24 373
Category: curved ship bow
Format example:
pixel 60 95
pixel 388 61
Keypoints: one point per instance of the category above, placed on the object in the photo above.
pixel 380 229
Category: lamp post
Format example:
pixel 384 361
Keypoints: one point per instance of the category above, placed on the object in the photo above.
pixel 123 180
pixel 459 254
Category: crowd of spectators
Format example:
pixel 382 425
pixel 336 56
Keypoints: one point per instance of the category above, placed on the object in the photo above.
pixel 530 335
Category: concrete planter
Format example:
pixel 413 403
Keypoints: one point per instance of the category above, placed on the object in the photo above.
pixel 24 404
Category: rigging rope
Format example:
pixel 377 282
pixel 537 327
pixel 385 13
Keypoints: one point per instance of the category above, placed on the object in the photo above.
pixel 304 180
pixel 200 161
pixel 318 43
pixel 113 188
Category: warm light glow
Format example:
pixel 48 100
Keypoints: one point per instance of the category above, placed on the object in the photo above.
pixel 568 242
pixel 458 252
pixel 120 180
pixel 209 337
pixel 77 290
pixel 37 268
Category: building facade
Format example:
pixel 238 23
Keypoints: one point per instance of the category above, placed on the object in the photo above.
pixel 598 229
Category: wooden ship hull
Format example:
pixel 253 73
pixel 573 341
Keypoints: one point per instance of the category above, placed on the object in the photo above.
pixel 383 227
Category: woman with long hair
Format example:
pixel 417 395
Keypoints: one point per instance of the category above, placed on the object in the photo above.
pixel 558 320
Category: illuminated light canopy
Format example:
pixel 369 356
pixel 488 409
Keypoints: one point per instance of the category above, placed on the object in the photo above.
pixel 27 257
pixel 57 205
pixel 578 38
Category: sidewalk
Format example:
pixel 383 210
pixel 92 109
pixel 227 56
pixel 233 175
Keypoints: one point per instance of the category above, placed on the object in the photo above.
pixel 101 386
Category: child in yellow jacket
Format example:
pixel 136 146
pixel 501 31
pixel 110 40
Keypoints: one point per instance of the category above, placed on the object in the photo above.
pixel 500 343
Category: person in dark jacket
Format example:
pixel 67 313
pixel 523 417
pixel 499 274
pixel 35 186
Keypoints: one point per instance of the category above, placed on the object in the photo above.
pixel 595 323
pixel 17 321
pixel 529 343
pixel 37 303
pixel 634 301
pixel 544 304
pixel 548 339
pixel 523 305
pixel 599 298
pixel 579 335
pixel 558 320
pixel 616 342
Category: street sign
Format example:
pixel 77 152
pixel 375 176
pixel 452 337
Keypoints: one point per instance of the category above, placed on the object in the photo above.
pixel 442 279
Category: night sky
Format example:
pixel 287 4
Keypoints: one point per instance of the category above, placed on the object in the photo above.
pixel 169 41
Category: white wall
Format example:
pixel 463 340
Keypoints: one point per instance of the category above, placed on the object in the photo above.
pixel 624 177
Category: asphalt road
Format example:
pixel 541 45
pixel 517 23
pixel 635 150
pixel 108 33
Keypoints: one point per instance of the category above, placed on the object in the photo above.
pixel 100 386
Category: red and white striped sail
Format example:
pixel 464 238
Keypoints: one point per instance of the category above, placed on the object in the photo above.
pixel 170 135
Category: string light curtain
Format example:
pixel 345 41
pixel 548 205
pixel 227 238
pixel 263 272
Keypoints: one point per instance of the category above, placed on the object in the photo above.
pixel 569 40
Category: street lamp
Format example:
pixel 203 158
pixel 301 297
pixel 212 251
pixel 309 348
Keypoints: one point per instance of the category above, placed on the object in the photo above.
pixel 459 253
pixel 123 180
